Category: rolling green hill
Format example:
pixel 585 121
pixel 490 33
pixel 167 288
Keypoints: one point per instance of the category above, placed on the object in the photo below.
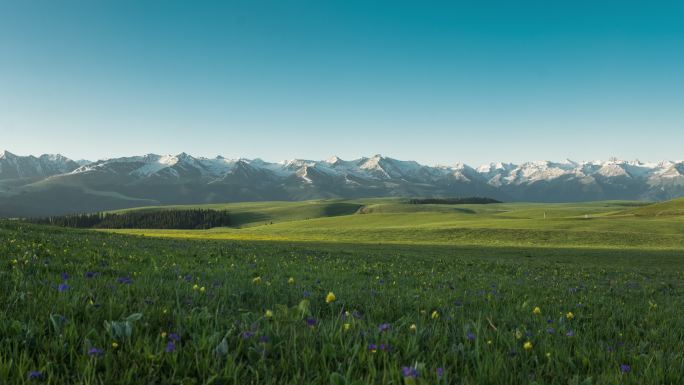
pixel 393 221
pixel 673 207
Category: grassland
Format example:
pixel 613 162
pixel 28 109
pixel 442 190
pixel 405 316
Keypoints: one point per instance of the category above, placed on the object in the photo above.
pixel 494 294
pixel 594 225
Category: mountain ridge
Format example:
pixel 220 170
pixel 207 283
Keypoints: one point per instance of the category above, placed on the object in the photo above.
pixel 54 184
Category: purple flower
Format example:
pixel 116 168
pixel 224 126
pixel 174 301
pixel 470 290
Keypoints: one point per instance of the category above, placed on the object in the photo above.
pixel 470 336
pixel 384 327
pixel 188 278
pixel 34 375
pixel 551 330
pixel 65 276
pixel 170 347
pixel 409 372
pixel 62 287
pixel 440 372
pixel 306 294
pixel 95 352
pixel 247 335
pixel 263 339
pixel 174 337
pixel 624 368
pixel 89 274
pixel 372 347
pixel 124 280
pixel 311 322
pixel 570 333
pixel 384 347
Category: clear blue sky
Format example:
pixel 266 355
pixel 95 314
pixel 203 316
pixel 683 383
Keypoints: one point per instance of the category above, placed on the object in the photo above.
pixel 438 82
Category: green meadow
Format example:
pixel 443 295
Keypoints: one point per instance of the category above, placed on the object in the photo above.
pixel 352 292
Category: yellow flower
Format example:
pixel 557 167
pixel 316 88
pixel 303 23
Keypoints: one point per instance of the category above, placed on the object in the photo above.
pixel 536 310
pixel 256 280
pixel 347 326
pixel 527 345
pixel 195 287
pixel 202 289
pixel 489 342
pixel 569 315
pixel 548 355
pixel 330 298
pixel 162 334
pixel 115 345
pixel 434 315
pixel 413 327
pixel 268 314
pixel 518 334
pixel 291 281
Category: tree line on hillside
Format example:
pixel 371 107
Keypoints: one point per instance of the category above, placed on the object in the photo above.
pixel 158 219
pixel 453 201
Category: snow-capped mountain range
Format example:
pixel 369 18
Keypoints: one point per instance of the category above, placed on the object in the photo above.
pixel 55 184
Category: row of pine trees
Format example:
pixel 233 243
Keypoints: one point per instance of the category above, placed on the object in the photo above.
pixel 157 219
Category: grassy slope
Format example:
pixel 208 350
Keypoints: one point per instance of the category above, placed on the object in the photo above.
pixel 673 207
pixel 593 224
pixel 249 214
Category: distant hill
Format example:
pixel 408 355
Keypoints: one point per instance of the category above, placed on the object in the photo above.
pixel 673 207
pixel 55 185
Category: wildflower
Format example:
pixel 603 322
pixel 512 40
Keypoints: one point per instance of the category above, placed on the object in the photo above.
pixel 34 375
pixel 162 334
pixel 347 326
pixel 518 334
pixel 489 342
pixel 570 315
pixel 372 348
pixel 527 345
pixel 195 287
pixel 311 322
pixel 62 287
pixel 548 355
pixel 247 335
pixel 624 368
pixel 89 274
pixel 174 337
pixel 14 262
pixel 409 372
pixel 551 330
pixel 115 345
pixel 256 280
pixel 291 281
pixel 124 280
pixel 95 352
pixel 470 336
pixel 536 310
pixel 413 327
pixel 65 276
pixel 440 372
pixel 330 298
pixel 570 333
pixel 268 314
pixel 384 327
pixel 434 315
pixel 170 347
pixel 202 289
